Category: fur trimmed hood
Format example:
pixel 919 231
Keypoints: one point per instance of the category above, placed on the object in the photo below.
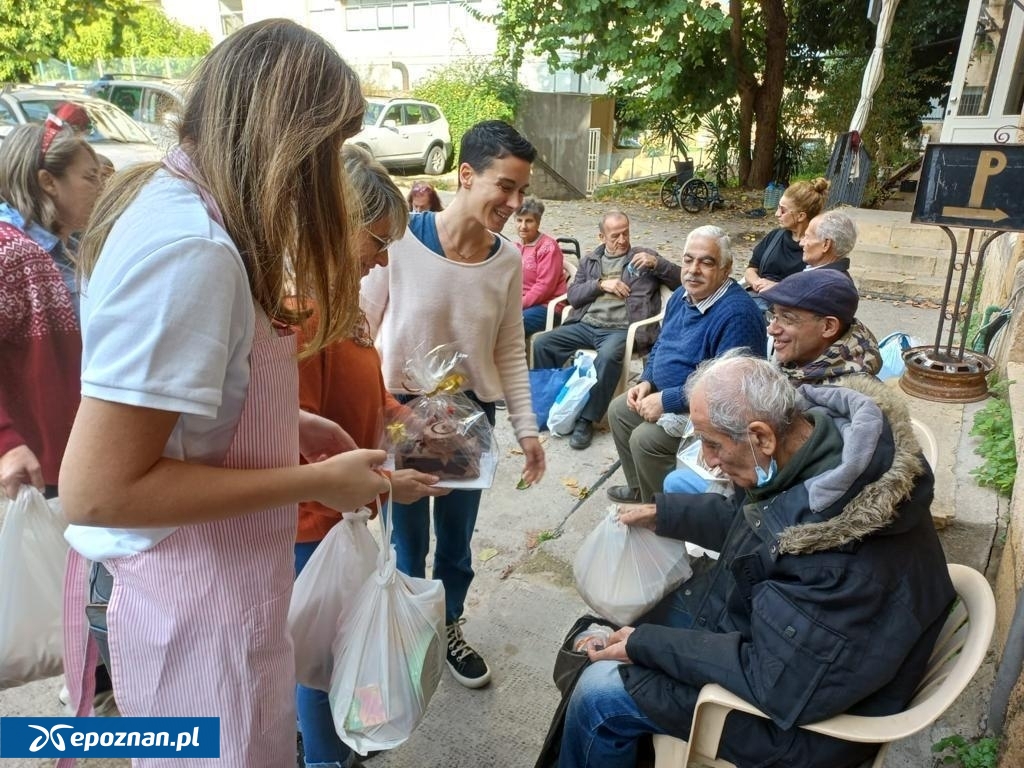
pixel 860 408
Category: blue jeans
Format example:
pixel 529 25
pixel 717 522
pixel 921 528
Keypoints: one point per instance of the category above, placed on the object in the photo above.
pixel 320 743
pixel 535 318
pixel 454 521
pixel 602 722
pixel 685 480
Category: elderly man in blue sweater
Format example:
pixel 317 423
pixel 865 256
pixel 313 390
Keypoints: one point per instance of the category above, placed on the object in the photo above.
pixel 709 315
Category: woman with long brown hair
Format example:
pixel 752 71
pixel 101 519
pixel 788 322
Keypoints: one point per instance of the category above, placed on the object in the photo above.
pixel 181 476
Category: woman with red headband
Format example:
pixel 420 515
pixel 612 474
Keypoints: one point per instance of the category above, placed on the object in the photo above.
pixel 49 182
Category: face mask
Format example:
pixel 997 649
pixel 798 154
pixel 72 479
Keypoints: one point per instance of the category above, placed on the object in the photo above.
pixel 763 476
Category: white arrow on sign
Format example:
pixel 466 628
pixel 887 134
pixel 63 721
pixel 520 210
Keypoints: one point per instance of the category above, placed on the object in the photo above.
pixel 985 214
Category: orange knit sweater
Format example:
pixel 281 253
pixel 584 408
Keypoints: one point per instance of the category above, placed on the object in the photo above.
pixel 342 383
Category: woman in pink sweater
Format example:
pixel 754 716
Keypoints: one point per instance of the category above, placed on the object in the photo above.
pixel 543 276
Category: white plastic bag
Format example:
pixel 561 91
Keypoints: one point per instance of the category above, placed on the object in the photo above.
pixel 622 571
pixel 573 396
pixel 32 559
pixel 388 656
pixel 334 574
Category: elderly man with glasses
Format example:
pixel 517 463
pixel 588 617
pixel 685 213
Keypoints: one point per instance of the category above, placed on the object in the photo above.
pixel 816 339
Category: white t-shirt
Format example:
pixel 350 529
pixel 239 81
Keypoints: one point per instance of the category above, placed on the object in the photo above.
pixel 167 323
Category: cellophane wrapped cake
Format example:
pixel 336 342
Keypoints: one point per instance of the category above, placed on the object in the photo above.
pixel 441 431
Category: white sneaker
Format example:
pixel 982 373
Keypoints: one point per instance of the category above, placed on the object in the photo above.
pixel 103 704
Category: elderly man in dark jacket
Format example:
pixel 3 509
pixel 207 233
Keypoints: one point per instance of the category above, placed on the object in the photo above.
pixel 616 285
pixel 828 596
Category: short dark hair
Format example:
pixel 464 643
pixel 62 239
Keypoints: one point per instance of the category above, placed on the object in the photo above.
pixel 492 140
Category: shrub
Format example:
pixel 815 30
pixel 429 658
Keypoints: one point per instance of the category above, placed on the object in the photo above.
pixel 469 91
pixel 994 425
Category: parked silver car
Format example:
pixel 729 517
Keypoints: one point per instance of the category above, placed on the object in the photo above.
pixel 156 104
pixel 111 132
pixel 406 132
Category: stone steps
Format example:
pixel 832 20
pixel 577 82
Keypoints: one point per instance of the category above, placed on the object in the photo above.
pixel 897 259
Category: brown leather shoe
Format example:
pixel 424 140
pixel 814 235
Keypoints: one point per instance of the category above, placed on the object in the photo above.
pixel 623 494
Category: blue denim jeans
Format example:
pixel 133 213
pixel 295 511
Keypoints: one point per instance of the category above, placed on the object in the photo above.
pixel 535 318
pixel 320 743
pixel 602 722
pixel 454 521
pixel 685 480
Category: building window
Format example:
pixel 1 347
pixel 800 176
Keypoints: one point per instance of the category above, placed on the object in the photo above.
pixel 366 15
pixel 970 101
pixel 231 16
pixel 989 39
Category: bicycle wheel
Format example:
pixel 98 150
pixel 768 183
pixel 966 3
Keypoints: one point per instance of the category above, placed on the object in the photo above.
pixel 670 193
pixel 694 195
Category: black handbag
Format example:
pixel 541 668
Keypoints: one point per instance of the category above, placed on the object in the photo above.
pixel 569 665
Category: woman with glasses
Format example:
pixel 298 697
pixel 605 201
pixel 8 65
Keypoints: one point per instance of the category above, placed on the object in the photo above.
pixel 779 254
pixel 343 383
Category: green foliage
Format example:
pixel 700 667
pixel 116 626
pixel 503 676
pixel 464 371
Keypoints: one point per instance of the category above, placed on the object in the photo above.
pixel 469 91
pixel 722 125
pixel 957 751
pixel 35 30
pixel 148 32
pixel 994 425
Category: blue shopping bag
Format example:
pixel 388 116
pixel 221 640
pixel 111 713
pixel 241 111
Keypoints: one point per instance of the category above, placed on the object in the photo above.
pixel 545 384
pixel 892 348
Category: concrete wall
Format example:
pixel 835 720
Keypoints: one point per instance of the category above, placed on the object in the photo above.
pixel 558 125
pixel 1004 275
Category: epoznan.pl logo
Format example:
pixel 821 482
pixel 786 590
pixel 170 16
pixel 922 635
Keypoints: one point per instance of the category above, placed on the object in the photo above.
pixel 109 737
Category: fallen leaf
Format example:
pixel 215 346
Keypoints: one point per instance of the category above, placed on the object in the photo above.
pixel 506 571
pixel 570 482
pixel 487 554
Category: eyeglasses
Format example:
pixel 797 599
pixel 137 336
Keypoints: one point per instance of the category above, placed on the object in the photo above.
pixel 787 320
pixel 384 244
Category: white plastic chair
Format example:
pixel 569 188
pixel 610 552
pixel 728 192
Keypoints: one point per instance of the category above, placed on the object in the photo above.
pixel 631 351
pixel 958 653
pixel 926 439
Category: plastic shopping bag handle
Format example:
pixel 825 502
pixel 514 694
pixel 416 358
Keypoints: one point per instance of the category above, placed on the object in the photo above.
pixel 387 560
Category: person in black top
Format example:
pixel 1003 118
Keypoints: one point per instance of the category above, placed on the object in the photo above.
pixel 779 253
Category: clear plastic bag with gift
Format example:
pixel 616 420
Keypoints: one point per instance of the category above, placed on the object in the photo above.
pixel 388 655
pixel 622 571
pixel 441 431
pixel 334 574
pixel 32 557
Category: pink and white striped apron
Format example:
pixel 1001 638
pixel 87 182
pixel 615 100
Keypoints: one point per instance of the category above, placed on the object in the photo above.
pixel 197 625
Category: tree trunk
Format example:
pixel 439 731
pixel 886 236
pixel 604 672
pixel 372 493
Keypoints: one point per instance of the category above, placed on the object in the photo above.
pixel 747 88
pixel 768 101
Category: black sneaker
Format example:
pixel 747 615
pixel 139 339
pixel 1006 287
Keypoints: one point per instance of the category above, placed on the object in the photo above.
pixel 466 665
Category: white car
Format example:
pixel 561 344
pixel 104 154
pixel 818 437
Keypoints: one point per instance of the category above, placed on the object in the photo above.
pixel 111 132
pixel 406 132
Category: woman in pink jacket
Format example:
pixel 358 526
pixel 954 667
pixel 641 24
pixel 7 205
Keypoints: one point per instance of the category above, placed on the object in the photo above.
pixel 543 276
